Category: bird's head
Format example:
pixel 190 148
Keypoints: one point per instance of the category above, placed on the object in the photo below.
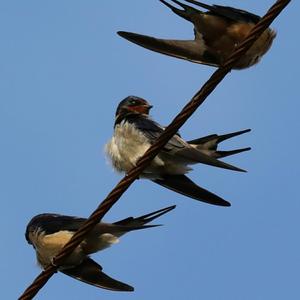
pixel 133 105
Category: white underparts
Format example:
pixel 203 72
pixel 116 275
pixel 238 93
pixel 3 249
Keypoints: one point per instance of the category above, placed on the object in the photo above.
pixel 129 144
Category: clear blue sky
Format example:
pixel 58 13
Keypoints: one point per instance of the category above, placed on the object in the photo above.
pixel 63 70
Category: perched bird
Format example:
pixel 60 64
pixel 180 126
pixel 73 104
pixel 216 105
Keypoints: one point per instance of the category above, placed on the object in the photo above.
pixel 48 233
pixel 218 31
pixel 135 132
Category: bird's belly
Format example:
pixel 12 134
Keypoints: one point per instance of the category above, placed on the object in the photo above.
pixel 126 147
pixel 173 165
pixel 48 246
pixel 124 154
pixel 257 50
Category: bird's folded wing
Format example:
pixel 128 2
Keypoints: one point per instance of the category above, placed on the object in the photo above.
pixel 193 155
pixel 183 185
pixel 90 272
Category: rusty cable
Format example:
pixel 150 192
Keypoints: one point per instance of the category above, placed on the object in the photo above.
pixel 144 161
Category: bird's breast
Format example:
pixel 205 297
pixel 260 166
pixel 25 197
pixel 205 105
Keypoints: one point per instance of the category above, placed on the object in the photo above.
pixel 48 246
pixel 257 50
pixel 127 145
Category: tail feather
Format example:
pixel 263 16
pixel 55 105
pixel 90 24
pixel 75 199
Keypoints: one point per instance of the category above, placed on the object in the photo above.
pixel 221 154
pixel 139 222
pixel 204 140
pixel 201 4
pixel 183 185
pixel 218 138
pixel 185 13
pixel 231 135
pixel 228 12
pixel 209 144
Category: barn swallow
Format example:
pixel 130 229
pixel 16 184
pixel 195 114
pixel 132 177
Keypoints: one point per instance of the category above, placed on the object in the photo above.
pixel 135 132
pixel 48 233
pixel 218 31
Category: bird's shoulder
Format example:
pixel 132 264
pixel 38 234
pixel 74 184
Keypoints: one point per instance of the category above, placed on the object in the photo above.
pixel 144 123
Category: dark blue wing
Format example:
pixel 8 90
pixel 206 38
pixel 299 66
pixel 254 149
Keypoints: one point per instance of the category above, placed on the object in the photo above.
pixel 153 130
pixel 90 272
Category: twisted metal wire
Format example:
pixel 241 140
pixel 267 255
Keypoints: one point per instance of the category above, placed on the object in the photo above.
pixel 179 120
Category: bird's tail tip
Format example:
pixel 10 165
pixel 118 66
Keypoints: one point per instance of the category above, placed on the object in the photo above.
pixel 155 214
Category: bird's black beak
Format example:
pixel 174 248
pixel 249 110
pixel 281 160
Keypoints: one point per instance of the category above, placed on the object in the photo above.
pixel 147 108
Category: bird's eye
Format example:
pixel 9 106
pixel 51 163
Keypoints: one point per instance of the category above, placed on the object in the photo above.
pixel 133 102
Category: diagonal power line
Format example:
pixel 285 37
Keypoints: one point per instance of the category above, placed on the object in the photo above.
pixel 179 120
